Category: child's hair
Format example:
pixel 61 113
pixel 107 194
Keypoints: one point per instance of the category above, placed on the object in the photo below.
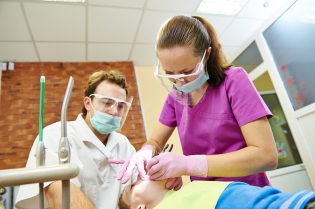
pixel 122 204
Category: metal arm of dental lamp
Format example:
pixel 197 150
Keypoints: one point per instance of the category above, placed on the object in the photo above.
pixel 64 147
pixel 40 174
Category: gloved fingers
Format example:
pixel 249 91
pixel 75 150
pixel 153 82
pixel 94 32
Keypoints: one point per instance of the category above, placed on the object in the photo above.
pixel 128 172
pixel 152 162
pixel 174 183
pixel 166 165
pixel 123 170
pixel 170 183
pixel 142 172
pixel 179 185
pixel 160 175
pixel 157 172
pixel 116 161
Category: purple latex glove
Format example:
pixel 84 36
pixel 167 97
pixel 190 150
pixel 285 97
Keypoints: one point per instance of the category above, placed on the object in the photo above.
pixel 170 165
pixel 139 160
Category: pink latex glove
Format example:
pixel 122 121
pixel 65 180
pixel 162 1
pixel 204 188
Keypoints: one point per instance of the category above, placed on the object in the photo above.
pixel 139 159
pixel 174 183
pixel 170 165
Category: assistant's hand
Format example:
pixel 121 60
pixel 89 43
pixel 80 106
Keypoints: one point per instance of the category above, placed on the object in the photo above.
pixel 139 160
pixel 174 183
pixel 170 165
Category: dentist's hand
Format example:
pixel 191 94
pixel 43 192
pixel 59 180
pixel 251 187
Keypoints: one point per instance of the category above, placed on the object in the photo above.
pixel 170 165
pixel 139 160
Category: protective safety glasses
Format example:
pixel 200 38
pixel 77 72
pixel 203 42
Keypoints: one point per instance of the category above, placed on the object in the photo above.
pixel 161 74
pixel 111 102
pixel 168 81
pixel 105 103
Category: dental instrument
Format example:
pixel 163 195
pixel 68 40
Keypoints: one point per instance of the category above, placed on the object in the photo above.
pixel 169 150
pixel 40 149
pixel 64 147
pixel 155 152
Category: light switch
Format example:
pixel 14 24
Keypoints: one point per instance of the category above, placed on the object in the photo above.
pixel 11 66
pixel 3 66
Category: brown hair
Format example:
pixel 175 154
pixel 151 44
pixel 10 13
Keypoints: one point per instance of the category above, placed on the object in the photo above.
pixel 96 78
pixel 197 33
pixel 122 204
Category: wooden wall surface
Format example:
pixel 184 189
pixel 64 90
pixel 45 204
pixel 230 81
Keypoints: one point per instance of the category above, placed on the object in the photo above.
pixel 19 105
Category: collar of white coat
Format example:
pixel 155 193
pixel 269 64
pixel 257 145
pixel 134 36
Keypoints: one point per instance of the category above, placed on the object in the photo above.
pixel 89 136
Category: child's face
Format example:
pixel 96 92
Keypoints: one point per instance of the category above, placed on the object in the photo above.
pixel 144 193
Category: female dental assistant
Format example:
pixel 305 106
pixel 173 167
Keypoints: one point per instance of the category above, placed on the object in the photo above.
pixel 220 116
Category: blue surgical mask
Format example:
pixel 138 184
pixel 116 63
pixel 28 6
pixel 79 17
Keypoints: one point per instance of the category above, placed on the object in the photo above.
pixel 193 85
pixel 104 123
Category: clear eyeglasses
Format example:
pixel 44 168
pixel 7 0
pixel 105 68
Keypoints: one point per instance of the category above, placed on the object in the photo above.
pixel 159 72
pixel 111 102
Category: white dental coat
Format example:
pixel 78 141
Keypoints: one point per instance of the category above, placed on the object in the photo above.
pixel 97 178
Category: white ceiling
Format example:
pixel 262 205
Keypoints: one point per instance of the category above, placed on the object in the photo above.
pixel 109 30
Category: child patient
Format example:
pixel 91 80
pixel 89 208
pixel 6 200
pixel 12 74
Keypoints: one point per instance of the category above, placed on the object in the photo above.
pixel 211 194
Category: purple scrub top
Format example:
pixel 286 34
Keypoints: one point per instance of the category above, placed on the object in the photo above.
pixel 213 125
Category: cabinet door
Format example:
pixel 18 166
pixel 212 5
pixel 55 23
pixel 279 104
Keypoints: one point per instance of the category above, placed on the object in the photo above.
pixel 290 166
pixel 288 153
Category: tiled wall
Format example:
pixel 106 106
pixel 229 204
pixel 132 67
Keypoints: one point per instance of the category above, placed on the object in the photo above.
pixel 19 105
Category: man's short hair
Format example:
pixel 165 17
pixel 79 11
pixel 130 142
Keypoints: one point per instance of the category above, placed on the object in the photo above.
pixel 113 76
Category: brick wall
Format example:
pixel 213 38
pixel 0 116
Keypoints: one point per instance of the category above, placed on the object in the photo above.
pixel 19 105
